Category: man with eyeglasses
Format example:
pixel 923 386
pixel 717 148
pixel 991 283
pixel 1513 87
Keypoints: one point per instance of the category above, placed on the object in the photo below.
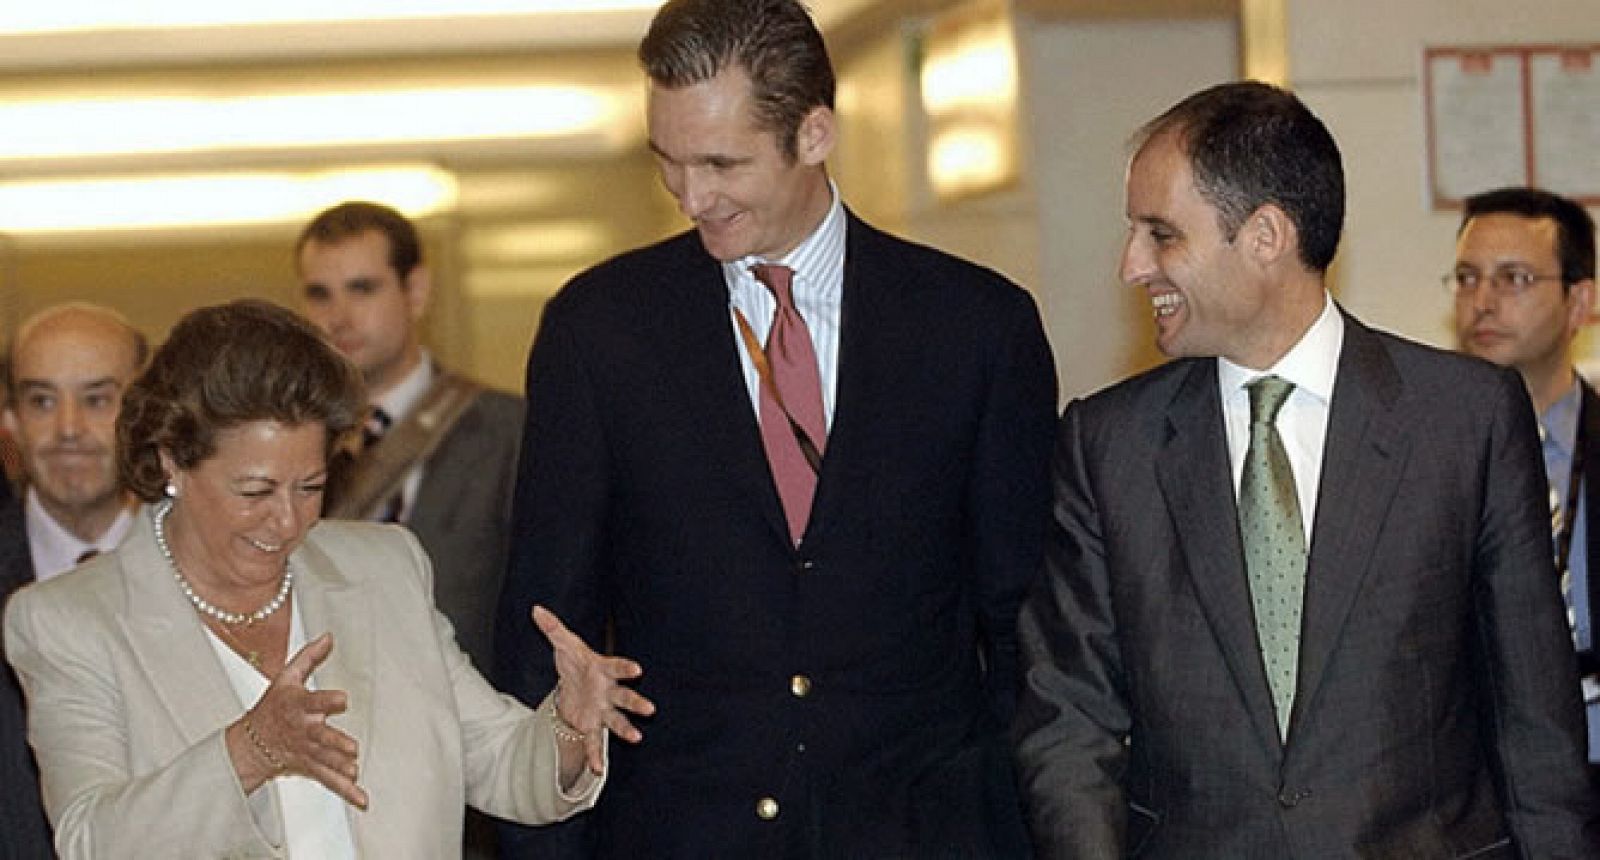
pixel 1524 286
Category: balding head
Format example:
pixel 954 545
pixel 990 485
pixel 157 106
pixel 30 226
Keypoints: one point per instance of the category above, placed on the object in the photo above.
pixel 65 372
pixel 80 320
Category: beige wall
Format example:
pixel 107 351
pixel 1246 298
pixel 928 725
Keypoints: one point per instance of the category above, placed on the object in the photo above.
pixel 1059 232
pixel 1357 63
pixel 1091 84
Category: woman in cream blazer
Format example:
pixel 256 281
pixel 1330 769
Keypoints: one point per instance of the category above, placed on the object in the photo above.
pixel 145 669
pixel 128 705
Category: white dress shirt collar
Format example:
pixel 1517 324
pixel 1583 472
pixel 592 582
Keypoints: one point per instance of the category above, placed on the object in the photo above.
pixel 55 550
pixel 819 253
pixel 1311 364
pixel 407 393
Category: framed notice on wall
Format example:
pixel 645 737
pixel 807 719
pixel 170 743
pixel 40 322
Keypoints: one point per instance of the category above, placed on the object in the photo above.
pixel 1512 115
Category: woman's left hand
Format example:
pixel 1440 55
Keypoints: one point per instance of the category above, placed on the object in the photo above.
pixel 591 697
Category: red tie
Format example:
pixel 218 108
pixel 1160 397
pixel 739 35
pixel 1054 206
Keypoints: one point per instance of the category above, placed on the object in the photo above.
pixel 793 428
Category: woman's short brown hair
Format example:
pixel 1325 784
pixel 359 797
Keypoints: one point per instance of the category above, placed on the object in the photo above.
pixel 224 366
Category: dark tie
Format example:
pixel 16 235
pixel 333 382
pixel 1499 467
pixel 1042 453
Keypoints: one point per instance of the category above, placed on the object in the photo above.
pixel 377 424
pixel 372 431
pixel 1274 543
pixel 793 428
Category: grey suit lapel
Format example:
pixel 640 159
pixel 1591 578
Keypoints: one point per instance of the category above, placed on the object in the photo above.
pixel 167 639
pixel 1361 467
pixel 332 600
pixel 1195 479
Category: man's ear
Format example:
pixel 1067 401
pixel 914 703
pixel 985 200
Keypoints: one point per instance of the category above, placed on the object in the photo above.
pixel 1269 236
pixel 419 286
pixel 815 139
pixel 1580 304
pixel 8 418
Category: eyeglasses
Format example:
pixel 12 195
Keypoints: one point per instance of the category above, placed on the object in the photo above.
pixel 1507 283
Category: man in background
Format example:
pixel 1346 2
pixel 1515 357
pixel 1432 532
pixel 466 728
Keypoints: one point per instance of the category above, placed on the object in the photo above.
pixel 439 451
pixel 1298 598
pixel 1524 287
pixel 798 468
pixel 65 372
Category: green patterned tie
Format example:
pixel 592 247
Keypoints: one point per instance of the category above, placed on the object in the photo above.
pixel 1274 543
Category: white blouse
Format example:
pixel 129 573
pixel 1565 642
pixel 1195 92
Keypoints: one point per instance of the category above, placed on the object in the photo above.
pixel 316 822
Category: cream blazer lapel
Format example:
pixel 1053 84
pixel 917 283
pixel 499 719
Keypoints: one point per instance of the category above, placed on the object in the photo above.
pixel 335 601
pixel 168 642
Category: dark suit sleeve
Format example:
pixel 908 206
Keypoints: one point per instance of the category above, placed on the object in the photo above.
pixel 1074 715
pixel 1528 669
pixel 557 542
pixel 1009 497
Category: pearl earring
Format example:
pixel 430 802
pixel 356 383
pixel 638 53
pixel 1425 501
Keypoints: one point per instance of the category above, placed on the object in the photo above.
pixel 171 490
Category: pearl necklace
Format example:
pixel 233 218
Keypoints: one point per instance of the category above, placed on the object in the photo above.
pixel 205 607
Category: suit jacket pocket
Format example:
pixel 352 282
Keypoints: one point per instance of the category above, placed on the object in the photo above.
pixel 1142 824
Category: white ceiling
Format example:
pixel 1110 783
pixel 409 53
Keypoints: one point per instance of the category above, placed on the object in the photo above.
pixel 64 51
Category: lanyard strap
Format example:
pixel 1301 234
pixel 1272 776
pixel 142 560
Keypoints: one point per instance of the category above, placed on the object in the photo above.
pixel 1569 508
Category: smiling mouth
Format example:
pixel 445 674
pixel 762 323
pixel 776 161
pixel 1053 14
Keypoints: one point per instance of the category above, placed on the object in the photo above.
pixel 716 223
pixel 265 547
pixel 1165 304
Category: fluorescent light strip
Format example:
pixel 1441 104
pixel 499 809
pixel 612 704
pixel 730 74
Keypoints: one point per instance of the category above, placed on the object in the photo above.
pixel 88 127
pixel 80 15
pixel 213 200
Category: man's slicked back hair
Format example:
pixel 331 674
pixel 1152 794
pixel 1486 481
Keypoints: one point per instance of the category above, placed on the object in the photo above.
pixel 774 42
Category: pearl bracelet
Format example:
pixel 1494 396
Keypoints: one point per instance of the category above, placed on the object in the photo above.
pixel 261 746
pixel 564 731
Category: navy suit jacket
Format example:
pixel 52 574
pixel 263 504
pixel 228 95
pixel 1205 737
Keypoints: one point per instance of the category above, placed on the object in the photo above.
pixel 24 830
pixel 1436 712
pixel 860 681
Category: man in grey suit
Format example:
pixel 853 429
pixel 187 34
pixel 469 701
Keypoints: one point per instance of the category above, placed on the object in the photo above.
pixel 65 371
pixel 1299 599
pixel 441 451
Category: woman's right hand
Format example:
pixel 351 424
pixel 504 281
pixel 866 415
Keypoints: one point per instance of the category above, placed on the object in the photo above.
pixel 287 731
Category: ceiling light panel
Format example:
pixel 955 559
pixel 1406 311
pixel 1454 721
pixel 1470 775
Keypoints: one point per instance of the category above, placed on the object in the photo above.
pixel 82 15
pixel 98 127
pixel 215 199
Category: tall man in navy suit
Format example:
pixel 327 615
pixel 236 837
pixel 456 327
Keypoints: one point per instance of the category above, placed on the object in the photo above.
pixel 833 667
pixel 1298 598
